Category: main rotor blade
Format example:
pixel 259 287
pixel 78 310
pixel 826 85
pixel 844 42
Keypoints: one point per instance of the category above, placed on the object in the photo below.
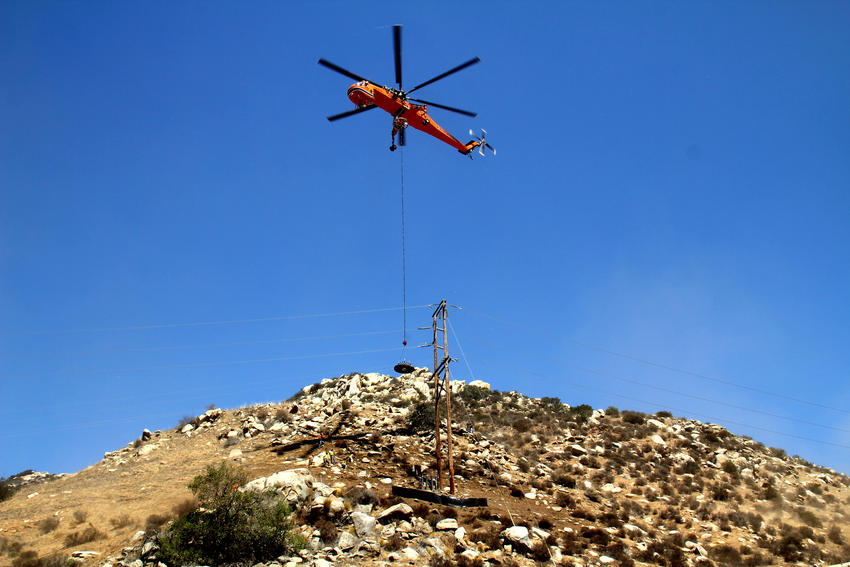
pixel 444 107
pixel 351 112
pixel 342 71
pixel 397 50
pixel 402 140
pixel 446 74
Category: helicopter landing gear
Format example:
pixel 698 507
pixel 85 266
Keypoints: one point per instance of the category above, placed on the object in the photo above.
pixel 393 147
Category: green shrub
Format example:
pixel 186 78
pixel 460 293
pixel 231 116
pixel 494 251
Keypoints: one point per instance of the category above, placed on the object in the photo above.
pixel 474 394
pixel 6 491
pixel 580 413
pixel 421 417
pixel 231 526
pixel 633 417
pixel 663 413
pixel 612 411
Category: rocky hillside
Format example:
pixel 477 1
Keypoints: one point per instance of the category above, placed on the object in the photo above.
pixel 568 485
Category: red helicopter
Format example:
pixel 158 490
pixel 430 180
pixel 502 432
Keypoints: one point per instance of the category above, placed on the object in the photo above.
pixel 368 94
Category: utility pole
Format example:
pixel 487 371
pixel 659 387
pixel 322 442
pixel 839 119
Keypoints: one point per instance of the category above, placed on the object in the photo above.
pixel 442 382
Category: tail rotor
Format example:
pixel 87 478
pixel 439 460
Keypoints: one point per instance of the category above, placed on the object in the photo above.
pixel 482 143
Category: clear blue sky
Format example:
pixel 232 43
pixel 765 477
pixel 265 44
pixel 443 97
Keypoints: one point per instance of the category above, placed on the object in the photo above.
pixel 671 184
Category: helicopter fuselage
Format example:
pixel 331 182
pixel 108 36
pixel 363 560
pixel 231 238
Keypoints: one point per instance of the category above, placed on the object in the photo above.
pixel 404 112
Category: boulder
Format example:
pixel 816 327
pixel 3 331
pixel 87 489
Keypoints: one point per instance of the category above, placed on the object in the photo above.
pixel 354 386
pixel 347 540
pixel 421 388
pixel 447 524
pixel 480 384
pixel 364 524
pixel 295 484
pixel 517 535
pixel 398 512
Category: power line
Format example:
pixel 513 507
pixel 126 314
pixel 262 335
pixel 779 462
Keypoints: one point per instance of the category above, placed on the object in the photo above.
pixel 207 345
pixel 207 323
pixel 665 406
pixel 660 388
pixel 196 364
pixel 659 365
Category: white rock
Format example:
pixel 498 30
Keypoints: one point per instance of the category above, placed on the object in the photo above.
pixel 295 484
pixel 605 560
pixel 447 524
pixel 657 439
pixel 354 385
pixel 84 554
pixel 517 534
pixel 421 388
pixel 480 384
pixel 400 511
pixel 187 428
pixel 234 453
pixel 347 540
pixel 147 449
pixel 410 554
pixel 364 524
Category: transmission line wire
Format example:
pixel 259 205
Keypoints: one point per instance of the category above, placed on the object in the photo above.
pixel 663 406
pixel 195 364
pixel 659 388
pixel 207 345
pixel 657 364
pixel 207 323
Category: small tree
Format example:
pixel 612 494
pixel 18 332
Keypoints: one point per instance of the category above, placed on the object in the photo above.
pixel 232 526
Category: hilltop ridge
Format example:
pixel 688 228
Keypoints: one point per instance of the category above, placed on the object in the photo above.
pixel 569 485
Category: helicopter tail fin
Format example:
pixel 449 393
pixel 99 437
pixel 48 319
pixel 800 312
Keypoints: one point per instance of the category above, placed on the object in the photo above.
pixel 479 143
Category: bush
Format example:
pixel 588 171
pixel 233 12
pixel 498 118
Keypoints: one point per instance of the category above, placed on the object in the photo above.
pixel 121 521
pixel 421 417
pixel 155 522
pixel 612 411
pixel 835 535
pixel 47 525
pixel 580 413
pixel 184 421
pixel 327 530
pixel 360 495
pixel 6 491
pixel 809 518
pixel 30 558
pixel 474 394
pixel 80 516
pixel 83 536
pixel 231 526
pixel 394 543
pixel 633 417
pixel 663 413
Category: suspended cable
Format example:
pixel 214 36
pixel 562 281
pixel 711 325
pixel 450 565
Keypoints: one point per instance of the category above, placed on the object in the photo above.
pixel 206 323
pixel 489 414
pixel 403 264
pixel 659 388
pixel 195 364
pixel 659 365
pixel 663 406
pixel 207 345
